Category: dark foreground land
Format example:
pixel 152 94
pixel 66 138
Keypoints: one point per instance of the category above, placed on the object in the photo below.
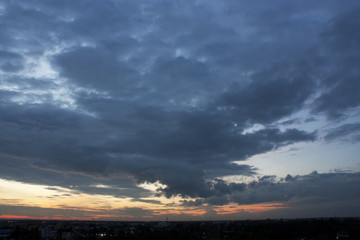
pixel 333 228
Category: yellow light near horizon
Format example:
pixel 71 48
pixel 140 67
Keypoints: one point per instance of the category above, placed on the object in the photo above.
pixel 97 206
pixel 25 194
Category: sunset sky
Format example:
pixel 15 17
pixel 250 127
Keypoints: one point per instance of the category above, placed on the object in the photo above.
pixel 179 109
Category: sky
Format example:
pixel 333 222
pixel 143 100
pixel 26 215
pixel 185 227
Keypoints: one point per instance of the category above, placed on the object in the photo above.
pixel 181 110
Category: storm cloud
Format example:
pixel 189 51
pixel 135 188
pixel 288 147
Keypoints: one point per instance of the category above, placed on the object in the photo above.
pixel 120 93
pixel 314 187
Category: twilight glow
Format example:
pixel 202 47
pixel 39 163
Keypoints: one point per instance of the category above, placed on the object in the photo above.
pixel 179 110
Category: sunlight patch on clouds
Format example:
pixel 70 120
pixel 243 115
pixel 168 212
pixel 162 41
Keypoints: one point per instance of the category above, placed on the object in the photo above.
pixel 151 186
pixel 39 67
pixel 100 186
pixel 180 52
pixel 10 87
pixel 238 178
pixel 254 128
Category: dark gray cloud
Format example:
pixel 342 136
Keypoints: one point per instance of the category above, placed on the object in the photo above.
pixel 348 132
pixel 38 212
pixel 341 85
pixel 271 95
pixel 96 68
pixel 311 188
pixel 177 157
pixel 119 93
pixel 67 212
pixel 10 62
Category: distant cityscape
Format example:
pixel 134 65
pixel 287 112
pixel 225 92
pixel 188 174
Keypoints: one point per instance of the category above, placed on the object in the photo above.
pixel 294 229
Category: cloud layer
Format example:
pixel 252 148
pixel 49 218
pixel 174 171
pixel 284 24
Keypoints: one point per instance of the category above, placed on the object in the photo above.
pixel 120 93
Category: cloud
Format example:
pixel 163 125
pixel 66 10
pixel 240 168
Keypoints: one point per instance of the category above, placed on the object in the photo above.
pixel 341 85
pixel 271 95
pixel 348 132
pixel 178 157
pixel 74 213
pixel 96 68
pixel 11 62
pixel 121 93
pixel 336 188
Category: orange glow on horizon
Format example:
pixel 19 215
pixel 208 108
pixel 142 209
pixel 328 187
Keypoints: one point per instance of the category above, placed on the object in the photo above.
pixel 194 212
pixel 17 217
pixel 44 218
pixel 250 208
